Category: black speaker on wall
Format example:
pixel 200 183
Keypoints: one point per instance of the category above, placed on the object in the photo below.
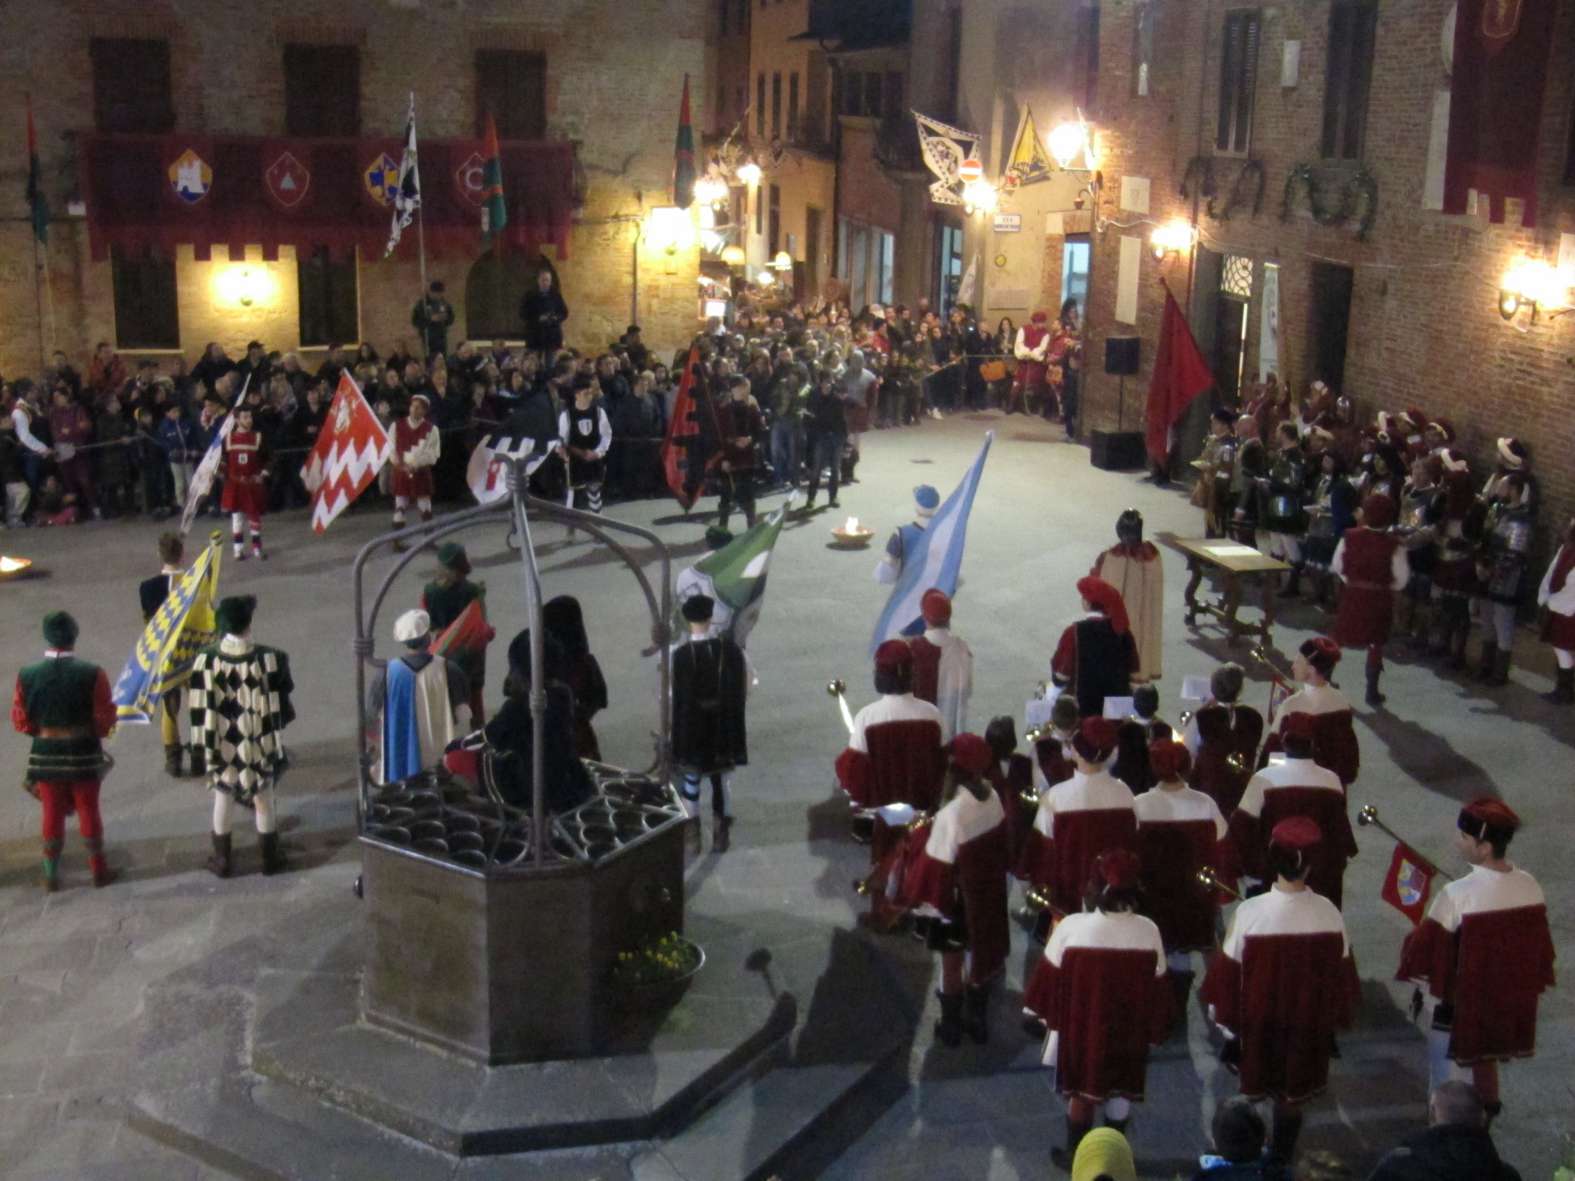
pixel 1121 355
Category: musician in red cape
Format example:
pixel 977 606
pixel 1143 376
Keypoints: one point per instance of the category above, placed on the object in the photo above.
pixel 1053 757
pixel 1100 990
pixel 894 753
pixel 1179 831
pixel 1298 786
pixel 942 663
pixel 1333 720
pixel 1097 657
pixel 1283 984
pixel 1373 564
pixel 1485 953
pixel 1078 820
pixel 1223 739
pixel 959 881
pixel 1012 775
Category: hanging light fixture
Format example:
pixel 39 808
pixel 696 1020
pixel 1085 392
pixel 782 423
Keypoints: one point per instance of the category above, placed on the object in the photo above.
pixel 783 261
pixel 1174 237
pixel 734 255
pixel 1068 142
pixel 1533 283
pixel 979 196
pixel 749 173
pixel 711 189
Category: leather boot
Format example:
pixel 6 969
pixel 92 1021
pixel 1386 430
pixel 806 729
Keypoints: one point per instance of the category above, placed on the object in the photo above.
pixel 1499 676
pixel 1458 638
pixel 172 760
pixel 1489 657
pixel 1374 697
pixel 1180 992
pixel 949 1029
pixel 198 764
pixel 976 1013
pixel 51 879
pixel 272 855
pixel 102 874
pixel 400 545
pixel 1287 1127
pixel 721 834
pixel 1563 688
pixel 219 862
pixel 1063 1157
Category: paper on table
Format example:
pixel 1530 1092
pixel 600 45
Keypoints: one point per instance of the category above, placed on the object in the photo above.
pixel 1118 709
pixel 1234 550
pixel 1195 689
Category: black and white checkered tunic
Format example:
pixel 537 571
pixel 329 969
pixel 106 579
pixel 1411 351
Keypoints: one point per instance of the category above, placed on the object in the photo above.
pixel 240 705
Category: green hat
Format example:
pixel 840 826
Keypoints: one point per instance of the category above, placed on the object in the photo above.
pixel 451 556
pixel 60 630
pixel 234 614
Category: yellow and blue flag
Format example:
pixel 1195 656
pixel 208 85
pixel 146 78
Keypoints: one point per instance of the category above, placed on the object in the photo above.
pixel 164 654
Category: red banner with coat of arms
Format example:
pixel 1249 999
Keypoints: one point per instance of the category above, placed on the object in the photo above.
pixel 154 192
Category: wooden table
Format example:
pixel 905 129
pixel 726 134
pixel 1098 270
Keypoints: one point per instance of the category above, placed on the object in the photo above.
pixel 1235 563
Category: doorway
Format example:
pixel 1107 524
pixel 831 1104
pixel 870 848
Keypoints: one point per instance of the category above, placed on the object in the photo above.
pixel 1331 321
pixel 948 267
pixel 1074 270
pixel 1230 326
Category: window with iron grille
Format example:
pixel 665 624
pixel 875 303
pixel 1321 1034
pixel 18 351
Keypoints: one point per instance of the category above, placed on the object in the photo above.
pixel 512 85
pixel 131 85
pixel 1238 79
pixel 1142 47
pixel 1353 26
pixel 146 313
pixel 322 90
pixel 1236 276
pixel 329 312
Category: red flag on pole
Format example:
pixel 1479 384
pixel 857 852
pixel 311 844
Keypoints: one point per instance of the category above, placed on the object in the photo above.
pixel 682 432
pixel 350 450
pixel 1180 375
pixel 684 156
pixel 1408 882
pixel 470 633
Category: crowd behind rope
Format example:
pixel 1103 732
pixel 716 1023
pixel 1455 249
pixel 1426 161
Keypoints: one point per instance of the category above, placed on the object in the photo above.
pixel 114 438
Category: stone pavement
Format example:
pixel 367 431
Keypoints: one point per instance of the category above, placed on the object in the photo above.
pixel 143 997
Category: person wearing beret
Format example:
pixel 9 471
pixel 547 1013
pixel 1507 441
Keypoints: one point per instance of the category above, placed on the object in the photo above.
pixel 894 754
pixel 1282 984
pixel 926 503
pixel 445 599
pixel 710 686
pixel 959 881
pixel 1223 737
pixel 942 664
pixel 63 704
pixel 418 445
pixel 1097 656
pixel 1100 990
pixel 1371 560
pixel 421 702
pixel 240 705
pixel 1485 952
pixel 1333 720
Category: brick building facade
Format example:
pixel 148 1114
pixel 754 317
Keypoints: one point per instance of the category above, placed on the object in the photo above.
pixel 1422 325
pixel 608 80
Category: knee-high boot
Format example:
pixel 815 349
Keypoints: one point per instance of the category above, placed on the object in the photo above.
pixel 976 1013
pixel 949 1029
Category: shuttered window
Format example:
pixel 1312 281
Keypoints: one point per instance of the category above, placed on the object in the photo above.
pixel 322 90
pixel 146 313
pixel 131 85
pixel 1238 79
pixel 1352 29
pixel 511 84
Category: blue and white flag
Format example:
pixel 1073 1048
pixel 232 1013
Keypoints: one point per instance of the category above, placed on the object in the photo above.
pixel 163 655
pixel 207 470
pixel 934 560
pixel 407 190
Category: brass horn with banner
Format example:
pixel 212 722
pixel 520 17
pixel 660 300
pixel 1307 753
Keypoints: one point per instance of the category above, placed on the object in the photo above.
pixel 1367 817
pixel 838 688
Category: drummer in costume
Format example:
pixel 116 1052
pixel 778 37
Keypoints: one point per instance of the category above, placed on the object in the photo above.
pixel 245 495
pixel 959 880
pixel 1556 596
pixel 1179 831
pixel 1097 657
pixel 63 705
pixel 710 682
pixel 1134 568
pixel 421 703
pixel 1485 953
pixel 1223 739
pixel 1298 786
pixel 1333 720
pixel 240 705
pixel 584 436
pixel 417 448
pixel 926 500
pixel 942 664
pixel 1282 985
pixel 444 599
pixel 1100 990
pixel 1077 821
pixel 894 754
pixel 1372 562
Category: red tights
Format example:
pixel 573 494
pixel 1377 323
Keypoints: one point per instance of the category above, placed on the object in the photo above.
pixel 59 797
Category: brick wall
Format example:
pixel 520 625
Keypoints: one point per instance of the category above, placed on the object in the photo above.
pixel 1424 327
pixel 614 75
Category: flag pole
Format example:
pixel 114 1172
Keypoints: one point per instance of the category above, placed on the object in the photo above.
pixel 421 230
pixel 38 301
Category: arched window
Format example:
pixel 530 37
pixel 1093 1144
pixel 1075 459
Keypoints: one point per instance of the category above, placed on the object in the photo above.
pixel 493 291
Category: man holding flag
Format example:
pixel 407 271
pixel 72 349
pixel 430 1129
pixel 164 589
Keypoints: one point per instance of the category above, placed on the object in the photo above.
pixel 350 450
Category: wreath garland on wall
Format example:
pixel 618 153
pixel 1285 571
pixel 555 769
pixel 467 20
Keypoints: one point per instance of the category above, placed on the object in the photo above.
pixel 1360 191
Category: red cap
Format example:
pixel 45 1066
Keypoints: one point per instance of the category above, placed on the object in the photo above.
pixel 1040 316
pixel 1299 725
pixel 893 656
pixel 1105 599
pixel 1169 759
pixel 1378 511
pixel 1322 653
pixel 1296 833
pixel 1118 869
pixel 936 607
pixel 1488 814
pixel 971 754
pixel 1095 739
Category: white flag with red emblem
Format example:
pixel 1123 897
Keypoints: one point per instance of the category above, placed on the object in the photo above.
pixel 350 450
pixel 487 472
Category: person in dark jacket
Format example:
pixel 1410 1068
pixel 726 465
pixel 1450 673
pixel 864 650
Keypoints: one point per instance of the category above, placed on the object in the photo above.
pixel 113 432
pixel 825 433
pixel 710 684
pixel 1455 1147
pixel 565 622
pixel 544 312
pixel 431 317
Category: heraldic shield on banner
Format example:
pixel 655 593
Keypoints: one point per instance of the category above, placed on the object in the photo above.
pixel 382 179
pixel 287 180
pixel 470 179
pixel 190 177
pixel 1408 883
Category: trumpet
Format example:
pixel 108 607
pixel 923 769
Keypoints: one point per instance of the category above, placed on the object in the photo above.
pixel 875 881
pixel 1367 817
pixel 1206 877
pixel 1035 733
pixel 837 687
pixel 1029 796
pixel 1261 655
pixel 1184 719
pixel 1038 898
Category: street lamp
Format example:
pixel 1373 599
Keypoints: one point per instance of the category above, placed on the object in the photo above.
pixel 1174 237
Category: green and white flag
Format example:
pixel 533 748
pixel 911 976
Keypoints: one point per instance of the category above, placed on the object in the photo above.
pixel 735 576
